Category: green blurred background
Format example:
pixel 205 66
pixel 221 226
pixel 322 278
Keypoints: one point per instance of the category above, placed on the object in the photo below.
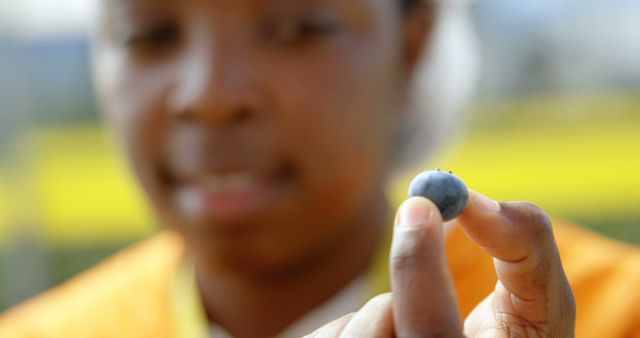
pixel 557 122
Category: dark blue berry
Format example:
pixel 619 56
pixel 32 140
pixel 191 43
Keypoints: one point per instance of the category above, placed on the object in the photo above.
pixel 444 189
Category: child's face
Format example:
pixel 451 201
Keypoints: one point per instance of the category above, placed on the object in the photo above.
pixel 260 129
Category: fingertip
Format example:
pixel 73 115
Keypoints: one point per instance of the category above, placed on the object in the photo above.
pixel 480 205
pixel 417 211
pixel 484 203
pixel 482 220
pixel 418 234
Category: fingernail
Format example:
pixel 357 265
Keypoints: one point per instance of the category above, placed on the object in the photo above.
pixel 413 213
pixel 486 204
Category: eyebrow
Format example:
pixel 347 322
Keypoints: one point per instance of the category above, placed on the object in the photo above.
pixel 132 2
pixel 121 1
pixel 111 6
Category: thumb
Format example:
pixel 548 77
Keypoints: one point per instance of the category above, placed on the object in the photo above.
pixel 424 301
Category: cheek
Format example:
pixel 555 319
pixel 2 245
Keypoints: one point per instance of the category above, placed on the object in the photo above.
pixel 340 122
pixel 133 101
pixel 339 126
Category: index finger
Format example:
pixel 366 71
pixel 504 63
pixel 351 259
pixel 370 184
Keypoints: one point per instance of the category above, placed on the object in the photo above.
pixel 520 237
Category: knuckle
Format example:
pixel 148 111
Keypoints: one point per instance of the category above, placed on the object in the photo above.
pixel 532 220
pixel 407 260
pixel 413 249
pixel 535 214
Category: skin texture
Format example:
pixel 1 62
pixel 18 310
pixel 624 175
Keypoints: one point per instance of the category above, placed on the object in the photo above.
pixel 301 99
pixel 228 95
pixel 199 88
pixel 532 297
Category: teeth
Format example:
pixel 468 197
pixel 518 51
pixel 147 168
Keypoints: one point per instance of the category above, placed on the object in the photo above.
pixel 230 182
pixel 190 203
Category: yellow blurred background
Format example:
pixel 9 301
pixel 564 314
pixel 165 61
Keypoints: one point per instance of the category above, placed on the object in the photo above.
pixel 67 199
pixel 579 169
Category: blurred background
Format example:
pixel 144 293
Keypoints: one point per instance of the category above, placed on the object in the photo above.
pixel 556 122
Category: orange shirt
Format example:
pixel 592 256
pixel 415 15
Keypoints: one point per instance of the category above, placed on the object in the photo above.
pixel 139 292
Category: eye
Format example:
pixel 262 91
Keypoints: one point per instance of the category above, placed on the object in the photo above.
pixel 293 31
pixel 152 39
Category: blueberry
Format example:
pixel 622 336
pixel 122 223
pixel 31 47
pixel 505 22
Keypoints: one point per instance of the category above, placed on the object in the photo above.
pixel 444 189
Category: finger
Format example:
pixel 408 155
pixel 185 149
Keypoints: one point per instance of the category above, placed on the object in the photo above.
pixel 424 302
pixel 331 329
pixel 520 237
pixel 373 320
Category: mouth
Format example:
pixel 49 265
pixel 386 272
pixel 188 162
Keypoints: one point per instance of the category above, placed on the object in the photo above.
pixel 221 198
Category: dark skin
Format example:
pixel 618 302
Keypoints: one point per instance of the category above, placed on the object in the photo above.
pixel 531 299
pixel 262 131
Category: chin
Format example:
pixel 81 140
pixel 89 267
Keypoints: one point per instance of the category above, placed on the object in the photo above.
pixel 247 261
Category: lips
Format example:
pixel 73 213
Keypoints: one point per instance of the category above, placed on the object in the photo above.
pixel 226 197
pixel 230 183
pixel 217 177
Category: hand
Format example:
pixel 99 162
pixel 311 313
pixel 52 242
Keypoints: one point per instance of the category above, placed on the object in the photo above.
pixel 532 297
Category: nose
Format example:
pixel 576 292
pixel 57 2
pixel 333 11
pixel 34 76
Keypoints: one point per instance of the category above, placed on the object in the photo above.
pixel 215 85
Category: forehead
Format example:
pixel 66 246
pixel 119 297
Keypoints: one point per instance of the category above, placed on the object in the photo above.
pixel 360 14
pixel 247 4
pixel 243 3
